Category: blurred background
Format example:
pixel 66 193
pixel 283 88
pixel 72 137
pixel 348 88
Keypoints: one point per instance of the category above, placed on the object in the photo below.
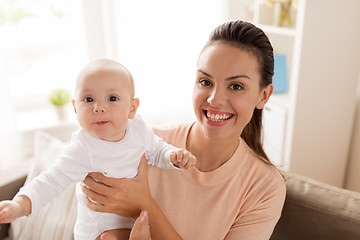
pixel 311 122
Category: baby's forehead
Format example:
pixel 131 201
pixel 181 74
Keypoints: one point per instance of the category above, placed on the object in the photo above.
pixel 100 68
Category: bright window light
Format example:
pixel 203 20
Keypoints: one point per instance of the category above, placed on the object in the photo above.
pixel 159 41
pixel 45 43
pixel 42 47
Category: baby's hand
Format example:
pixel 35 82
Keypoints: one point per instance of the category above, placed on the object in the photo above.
pixel 11 210
pixel 182 159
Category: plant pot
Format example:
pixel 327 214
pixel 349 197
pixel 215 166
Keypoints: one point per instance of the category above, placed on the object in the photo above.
pixel 62 112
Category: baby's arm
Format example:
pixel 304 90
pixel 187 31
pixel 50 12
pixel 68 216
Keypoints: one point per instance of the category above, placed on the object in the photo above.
pixel 182 158
pixel 18 207
pixel 160 153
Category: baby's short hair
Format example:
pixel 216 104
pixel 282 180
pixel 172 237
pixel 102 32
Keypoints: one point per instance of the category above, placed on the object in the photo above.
pixel 112 63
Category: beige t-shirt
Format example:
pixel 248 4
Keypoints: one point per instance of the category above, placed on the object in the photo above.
pixel 242 199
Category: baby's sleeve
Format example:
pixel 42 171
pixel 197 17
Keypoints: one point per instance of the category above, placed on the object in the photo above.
pixel 70 167
pixel 157 151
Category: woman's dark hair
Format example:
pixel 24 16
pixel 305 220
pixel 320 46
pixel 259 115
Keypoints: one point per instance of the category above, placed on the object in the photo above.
pixel 246 36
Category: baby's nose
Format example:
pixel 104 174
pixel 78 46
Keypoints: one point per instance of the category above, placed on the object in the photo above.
pixel 99 108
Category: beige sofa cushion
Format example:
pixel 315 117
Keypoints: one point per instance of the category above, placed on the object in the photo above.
pixel 56 220
pixel 314 210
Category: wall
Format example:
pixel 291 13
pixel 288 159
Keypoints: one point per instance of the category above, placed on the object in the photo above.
pixel 352 180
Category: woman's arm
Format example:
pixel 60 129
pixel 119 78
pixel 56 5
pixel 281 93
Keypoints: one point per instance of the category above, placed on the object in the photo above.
pixel 128 197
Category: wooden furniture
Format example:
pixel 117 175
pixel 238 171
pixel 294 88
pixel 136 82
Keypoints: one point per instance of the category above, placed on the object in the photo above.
pixel 309 127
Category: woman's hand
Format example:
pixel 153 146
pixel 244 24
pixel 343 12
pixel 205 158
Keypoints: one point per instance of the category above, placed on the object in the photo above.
pixel 122 196
pixel 141 228
pixel 140 231
pixel 128 197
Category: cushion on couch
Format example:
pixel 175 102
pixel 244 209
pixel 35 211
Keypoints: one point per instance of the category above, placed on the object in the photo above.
pixel 56 220
pixel 315 210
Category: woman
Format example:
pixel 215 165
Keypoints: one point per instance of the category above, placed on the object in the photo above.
pixel 234 192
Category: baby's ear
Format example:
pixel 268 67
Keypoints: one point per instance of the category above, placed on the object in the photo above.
pixel 73 103
pixel 133 108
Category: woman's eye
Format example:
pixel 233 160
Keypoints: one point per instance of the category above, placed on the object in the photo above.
pixel 113 99
pixel 205 82
pixel 88 99
pixel 235 87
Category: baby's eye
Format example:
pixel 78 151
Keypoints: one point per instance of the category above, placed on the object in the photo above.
pixel 88 99
pixel 235 87
pixel 205 82
pixel 113 98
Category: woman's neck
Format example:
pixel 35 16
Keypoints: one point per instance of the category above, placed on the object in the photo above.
pixel 210 153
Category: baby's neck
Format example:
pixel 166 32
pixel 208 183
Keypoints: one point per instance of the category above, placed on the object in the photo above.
pixel 117 138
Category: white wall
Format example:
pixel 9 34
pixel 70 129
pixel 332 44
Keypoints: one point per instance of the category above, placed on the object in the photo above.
pixel 352 180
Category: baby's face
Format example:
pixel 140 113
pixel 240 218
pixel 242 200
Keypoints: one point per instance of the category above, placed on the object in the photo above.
pixel 104 102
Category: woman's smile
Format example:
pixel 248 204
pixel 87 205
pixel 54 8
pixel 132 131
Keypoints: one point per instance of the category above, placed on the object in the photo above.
pixel 216 118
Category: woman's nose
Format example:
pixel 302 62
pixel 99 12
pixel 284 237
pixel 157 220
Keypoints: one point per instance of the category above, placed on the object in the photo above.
pixel 217 98
pixel 99 108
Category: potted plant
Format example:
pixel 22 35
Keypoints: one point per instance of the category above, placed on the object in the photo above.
pixel 60 98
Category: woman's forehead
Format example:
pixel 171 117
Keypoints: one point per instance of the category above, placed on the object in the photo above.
pixel 225 57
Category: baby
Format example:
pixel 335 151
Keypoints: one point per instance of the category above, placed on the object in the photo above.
pixel 111 140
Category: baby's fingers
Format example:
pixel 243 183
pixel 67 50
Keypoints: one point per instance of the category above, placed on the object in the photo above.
pixel 183 159
pixel 4 205
pixel 190 160
pixel 173 158
pixel 183 162
pixel 5 212
pixel 180 156
pixel 177 158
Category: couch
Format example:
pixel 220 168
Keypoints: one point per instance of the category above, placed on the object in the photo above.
pixel 312 210
pixel 315 210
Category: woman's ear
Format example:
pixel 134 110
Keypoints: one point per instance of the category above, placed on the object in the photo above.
pixel 133 108
pixel 73 103
pixel 264 96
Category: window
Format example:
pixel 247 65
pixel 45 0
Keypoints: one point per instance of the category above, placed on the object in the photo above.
pixel 42 47
pixel 159 41
pixel 45 43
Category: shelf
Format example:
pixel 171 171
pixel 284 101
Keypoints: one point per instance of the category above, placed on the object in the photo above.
pixel 42 118
pixel 282 99
pixel 291 32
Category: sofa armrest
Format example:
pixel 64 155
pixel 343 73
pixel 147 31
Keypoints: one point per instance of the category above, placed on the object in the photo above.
pixel 315 210
pixel 7 192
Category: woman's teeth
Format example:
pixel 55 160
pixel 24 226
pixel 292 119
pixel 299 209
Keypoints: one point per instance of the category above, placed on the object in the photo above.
pixel 217 117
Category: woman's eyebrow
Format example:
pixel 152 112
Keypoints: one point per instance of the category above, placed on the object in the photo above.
pixel 228 78
pixel 237 76
pixel 205 73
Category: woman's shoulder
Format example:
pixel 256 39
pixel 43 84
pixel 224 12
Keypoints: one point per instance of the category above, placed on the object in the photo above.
pixel 262 171
pixel 175 134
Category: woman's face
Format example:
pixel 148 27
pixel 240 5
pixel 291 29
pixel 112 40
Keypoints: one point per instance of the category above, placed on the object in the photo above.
pixel 227 90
